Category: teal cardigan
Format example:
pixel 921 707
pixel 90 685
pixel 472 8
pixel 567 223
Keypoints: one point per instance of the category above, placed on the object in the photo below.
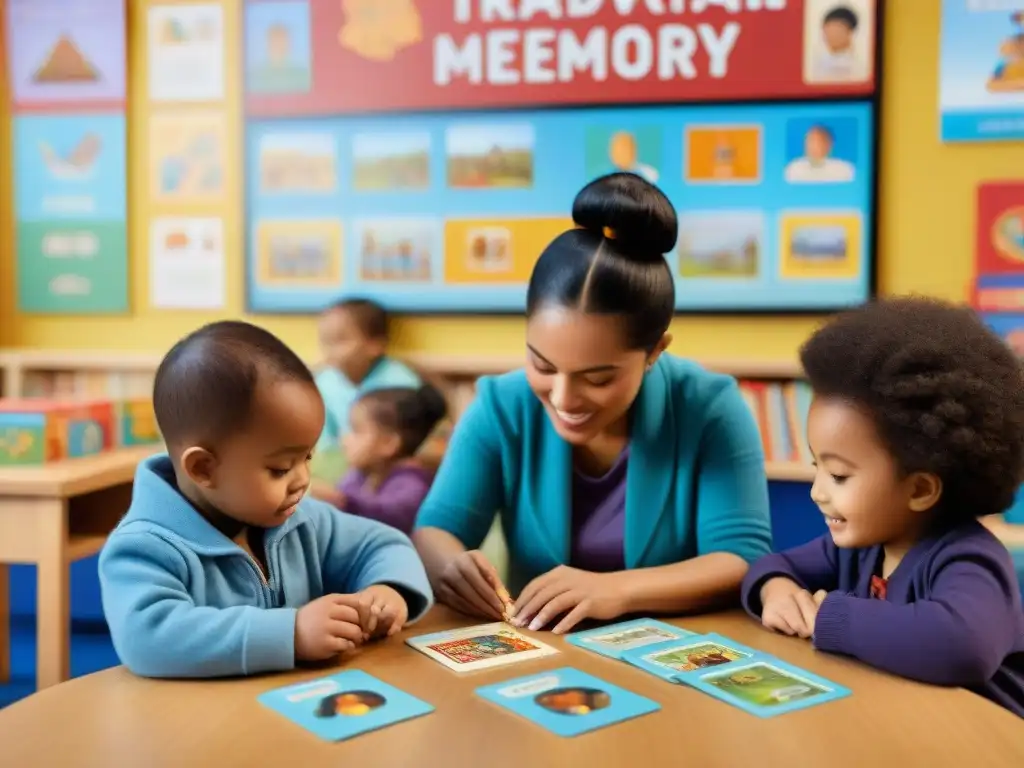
pixel 695 482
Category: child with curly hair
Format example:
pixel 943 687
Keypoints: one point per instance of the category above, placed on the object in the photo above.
pixel 917 430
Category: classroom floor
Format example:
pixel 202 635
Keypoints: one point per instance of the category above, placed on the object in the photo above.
pixel 91 651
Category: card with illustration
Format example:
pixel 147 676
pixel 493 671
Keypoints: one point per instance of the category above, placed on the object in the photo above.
pixel 480 647
pixel 341 706
pixel 616 639
pixel 568 702
pixel 688 655
pixel 765 687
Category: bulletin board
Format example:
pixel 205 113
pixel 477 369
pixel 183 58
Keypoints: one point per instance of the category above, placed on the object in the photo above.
pixel 435 171
pixel 66 62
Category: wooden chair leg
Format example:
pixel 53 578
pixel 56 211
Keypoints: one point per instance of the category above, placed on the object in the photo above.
pixel 5 623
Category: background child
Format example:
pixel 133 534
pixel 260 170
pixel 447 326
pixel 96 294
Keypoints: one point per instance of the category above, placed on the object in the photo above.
pixel 388 426
pixel 917 428
pixel 354 340
pixel 221 567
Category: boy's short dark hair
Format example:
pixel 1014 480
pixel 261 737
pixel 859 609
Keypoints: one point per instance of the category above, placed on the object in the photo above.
pixel 371 318
pixel 945 393
pixel 205 385
pixel 844 15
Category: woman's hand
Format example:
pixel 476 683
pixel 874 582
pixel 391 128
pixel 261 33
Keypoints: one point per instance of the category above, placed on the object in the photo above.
pixel 571 593
pixel 470 584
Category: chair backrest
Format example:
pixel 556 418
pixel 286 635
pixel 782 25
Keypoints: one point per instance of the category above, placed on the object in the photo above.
pixel 1016 513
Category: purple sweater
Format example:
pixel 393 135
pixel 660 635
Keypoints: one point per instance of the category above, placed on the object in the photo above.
pixel 394 502
pixel 951 614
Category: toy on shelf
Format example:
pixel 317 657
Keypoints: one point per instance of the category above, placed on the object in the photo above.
pixel 36 432
pixel 137 422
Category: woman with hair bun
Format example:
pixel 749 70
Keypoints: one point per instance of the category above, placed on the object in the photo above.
pixel 628 480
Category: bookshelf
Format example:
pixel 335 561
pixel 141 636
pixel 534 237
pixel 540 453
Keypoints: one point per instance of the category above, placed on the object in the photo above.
pixel 772 389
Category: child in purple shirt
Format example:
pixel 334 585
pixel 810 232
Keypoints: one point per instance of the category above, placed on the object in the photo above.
pixel 388 426
pixel 917 429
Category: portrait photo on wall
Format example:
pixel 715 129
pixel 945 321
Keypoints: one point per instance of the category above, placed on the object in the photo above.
pixel 839 41
pixel 821 151
pixel 633 150
pixel 278 52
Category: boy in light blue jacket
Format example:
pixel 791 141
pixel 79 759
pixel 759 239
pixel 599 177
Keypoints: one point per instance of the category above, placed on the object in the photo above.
pixel 221 567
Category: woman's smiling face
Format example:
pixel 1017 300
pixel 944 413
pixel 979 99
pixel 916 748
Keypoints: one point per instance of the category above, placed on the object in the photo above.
pixel 581 369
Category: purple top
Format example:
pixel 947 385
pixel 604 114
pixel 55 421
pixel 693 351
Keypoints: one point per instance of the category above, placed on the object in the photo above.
pixel 395 502
pixel 951 614
pixel 599 518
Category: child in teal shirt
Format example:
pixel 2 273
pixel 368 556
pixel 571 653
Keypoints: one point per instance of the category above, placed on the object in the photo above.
pixel 221 566
pixel 354 340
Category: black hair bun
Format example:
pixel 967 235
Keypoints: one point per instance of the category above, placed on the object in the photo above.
pixel 433 406
pixel 631 212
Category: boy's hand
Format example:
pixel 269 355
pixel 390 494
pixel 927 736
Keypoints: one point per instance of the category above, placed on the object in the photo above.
pixel 388 609
pixel 326 627
pixel 787 608
pixel 381 609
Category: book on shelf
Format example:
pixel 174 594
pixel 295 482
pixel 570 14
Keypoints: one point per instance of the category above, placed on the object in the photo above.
pixel 780 409
pixel 76 385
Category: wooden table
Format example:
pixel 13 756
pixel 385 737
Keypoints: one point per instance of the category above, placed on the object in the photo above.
pixel 112 717
pixel 51 516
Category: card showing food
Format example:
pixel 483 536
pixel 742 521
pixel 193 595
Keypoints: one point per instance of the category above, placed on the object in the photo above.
pixel 616 639
pixel 480 647
pixel 568 702
pixel 341 706
pixel 688 655
pixel 765 687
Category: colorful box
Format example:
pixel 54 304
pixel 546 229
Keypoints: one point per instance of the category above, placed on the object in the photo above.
pixel 39 431
pixel 137 422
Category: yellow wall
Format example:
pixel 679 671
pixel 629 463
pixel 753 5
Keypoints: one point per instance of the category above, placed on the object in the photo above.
pixel 927 220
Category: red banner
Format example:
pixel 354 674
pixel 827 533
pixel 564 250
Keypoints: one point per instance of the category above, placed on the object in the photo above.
pixel 395 55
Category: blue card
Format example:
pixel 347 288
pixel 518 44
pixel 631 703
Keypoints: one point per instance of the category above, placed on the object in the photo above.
pixel 765 686
pixel 615 639
pixel 341 706
pixel 568 702
pixel 689 655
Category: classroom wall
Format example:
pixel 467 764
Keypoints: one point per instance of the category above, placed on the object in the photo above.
pixel 926 224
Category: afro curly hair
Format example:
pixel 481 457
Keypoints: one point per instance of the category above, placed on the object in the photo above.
pixel 945 393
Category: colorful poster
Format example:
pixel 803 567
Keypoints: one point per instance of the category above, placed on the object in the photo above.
pixel 186 263
pixel 449 212
pixel 72 267
pixel 981 81
pixel 70 167
pixel 186 52
pixel 66 54
pixel 187 156
pixel 999 247
pixel 346 56
pixel 70 206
